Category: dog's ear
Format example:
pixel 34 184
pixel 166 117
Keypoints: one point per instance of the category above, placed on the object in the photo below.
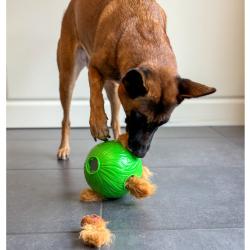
pixel 190 89
pixel 135 83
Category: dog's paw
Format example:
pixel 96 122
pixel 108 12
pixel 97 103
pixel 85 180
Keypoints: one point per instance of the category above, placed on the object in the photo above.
pixel 99 129
pixel 63 153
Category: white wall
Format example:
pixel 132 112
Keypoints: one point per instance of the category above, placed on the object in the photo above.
pixel 207 36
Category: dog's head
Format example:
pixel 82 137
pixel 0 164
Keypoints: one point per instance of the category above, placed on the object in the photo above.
pixel 148 98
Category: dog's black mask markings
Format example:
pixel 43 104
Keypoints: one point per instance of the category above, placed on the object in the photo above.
pixel 140 133
pixel 140 130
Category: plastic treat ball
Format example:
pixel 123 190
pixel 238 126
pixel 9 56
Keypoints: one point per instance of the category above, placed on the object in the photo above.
pixel 107 168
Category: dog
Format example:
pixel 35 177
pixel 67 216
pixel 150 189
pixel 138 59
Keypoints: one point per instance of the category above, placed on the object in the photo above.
pixel 125 46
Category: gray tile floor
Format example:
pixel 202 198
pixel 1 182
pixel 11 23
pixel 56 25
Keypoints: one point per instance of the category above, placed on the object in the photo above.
pixel 199 204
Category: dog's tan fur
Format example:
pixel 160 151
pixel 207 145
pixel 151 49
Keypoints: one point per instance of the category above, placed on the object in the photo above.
pixel 112 37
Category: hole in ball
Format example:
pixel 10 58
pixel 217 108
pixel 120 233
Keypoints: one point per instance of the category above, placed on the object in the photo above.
pixel 93 165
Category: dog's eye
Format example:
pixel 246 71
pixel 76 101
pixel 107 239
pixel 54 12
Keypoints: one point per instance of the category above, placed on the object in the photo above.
pixel 139 116
pixel 152 126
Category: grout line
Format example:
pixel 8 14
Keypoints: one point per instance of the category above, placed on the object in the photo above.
pixel 31 233
pixel 134 229
pixel 156 167
pixel 177 229
pixel 101 208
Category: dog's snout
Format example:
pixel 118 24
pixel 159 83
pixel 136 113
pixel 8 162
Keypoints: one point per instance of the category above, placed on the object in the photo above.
pixel 139 153
pixel 138 150
pixel 140 133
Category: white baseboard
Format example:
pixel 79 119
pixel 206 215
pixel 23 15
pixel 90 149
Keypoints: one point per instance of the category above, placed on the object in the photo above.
pixel 198 112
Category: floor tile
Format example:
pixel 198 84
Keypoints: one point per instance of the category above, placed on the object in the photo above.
pixel 50 241
pixel 46 201
pixel 225 239
pixel 186 198
pixel 230 131
pixel 213 152
pixel 41 154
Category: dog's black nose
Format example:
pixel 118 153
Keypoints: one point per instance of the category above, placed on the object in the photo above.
pixel 139 154
pixel 138 148
pixel 139 151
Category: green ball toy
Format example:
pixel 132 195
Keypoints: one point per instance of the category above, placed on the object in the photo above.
pixel 107 168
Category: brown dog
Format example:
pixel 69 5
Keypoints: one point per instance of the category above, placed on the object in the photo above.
pixel 127 51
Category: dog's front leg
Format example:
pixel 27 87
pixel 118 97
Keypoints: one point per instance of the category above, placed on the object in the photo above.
pixel 98 118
